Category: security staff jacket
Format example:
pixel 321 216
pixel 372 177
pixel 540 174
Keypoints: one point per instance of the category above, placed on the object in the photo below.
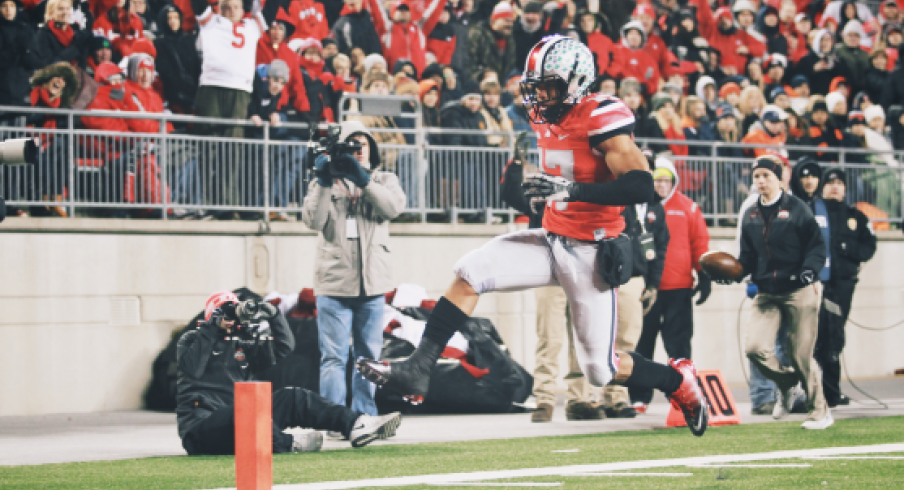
pixel 853 239
pixel 210 361
pixel 775 252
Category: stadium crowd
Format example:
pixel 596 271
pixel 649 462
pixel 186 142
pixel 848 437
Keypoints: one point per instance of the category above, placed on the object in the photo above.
pixel 779 72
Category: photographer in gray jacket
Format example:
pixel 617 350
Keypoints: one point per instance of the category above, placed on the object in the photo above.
pixel 350 204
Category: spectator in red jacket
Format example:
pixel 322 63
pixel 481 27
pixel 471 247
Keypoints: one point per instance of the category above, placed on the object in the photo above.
pixel 308 19
pixel 272 46
pixel 672 314
pixel 631 60
pixel 120 26
pixel 653 45
pixel 402 38
pixel 111 96
pixel 442 40
pixel 600 45
pixel 142 96
pixel 735 45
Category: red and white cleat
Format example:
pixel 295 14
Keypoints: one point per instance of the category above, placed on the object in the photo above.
pixel 689 397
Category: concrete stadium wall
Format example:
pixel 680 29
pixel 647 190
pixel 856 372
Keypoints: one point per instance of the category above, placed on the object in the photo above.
pixel 87 304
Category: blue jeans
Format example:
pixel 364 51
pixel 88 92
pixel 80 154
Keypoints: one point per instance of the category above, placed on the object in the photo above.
pixel 762 389
pixel 339 320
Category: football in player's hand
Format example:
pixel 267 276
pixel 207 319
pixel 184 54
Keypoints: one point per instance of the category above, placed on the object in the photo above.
pixel 721 266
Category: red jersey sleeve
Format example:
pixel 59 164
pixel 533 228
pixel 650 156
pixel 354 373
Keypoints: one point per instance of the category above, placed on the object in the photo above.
pixel 609 117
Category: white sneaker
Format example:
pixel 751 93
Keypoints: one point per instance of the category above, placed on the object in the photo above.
pixel 825 423
pixel 335 434
pixel 307 442
pixel 786 400
pixel 369 428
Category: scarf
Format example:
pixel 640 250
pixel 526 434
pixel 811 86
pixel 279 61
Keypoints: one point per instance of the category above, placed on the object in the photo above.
pixel 314 69
pixel 64 36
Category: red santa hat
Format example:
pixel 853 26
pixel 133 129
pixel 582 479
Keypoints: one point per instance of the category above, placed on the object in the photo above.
pixel 502 10
pixel 644 9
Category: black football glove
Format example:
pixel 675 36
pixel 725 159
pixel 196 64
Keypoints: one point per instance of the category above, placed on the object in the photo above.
pixel 541 188
pixel 704 287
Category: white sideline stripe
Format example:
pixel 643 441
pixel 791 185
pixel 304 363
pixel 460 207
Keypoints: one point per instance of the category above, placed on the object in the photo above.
pixel 855 457
pixel 478 476
pixel 567 451
pixel 498 484
pixel 632 474
pixel 804 465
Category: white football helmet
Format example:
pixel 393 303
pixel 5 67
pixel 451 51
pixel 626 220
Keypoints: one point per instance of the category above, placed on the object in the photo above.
pixel 563 69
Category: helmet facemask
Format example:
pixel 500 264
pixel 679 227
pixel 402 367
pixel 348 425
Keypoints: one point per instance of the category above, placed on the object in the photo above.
pixel 552 105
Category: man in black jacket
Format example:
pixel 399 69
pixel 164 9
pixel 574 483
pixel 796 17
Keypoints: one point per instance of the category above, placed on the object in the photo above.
pixel 783 250
pixel 178 62
pixel 233 345
pixel 852 243
pixel 355 29
pixel 18 54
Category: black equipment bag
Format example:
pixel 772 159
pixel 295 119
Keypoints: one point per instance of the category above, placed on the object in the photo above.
pixel 615 259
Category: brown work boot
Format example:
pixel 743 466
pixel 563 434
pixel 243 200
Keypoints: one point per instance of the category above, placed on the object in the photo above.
pixel 583 411
pixel 543 413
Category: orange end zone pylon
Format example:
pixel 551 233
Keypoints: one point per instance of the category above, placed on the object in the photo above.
pixel 253 436
pixel 722 407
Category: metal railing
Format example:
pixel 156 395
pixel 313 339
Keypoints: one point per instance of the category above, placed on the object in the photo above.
pixel 192 172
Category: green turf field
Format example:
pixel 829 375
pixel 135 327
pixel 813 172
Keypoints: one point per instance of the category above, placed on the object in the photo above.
pixel 378 461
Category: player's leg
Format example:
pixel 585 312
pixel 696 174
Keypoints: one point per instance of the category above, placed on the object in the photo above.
pixel 510 262
pixel 594 311
pixel 646 347
pixel 630 324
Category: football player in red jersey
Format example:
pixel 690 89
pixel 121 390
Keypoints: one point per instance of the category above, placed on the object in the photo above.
pixel 590 169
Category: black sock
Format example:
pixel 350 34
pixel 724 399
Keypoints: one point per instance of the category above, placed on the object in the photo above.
pixel 649 375
pixel 445 320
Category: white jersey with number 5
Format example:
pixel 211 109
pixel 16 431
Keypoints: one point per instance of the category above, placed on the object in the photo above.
pixel 230 50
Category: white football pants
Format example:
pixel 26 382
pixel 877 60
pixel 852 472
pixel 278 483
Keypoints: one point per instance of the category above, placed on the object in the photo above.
pixel 532 258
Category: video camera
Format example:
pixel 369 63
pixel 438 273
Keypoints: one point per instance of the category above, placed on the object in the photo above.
pixel 21 151
pixel 330 145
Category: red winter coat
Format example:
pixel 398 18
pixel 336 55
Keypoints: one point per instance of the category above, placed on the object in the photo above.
pixel 688 240
pixel 408 40
pixel 603 49
pixel 103 102
pixel 121 35
pixel 309 19
pixel 637 64
pixel 658 51
pixel 266 54
pixel 144 100
pixel 728 44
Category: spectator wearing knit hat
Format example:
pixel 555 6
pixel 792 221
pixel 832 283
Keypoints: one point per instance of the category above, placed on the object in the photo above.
pixel 771 131
pixel 774 67
pixel 875 118
pixel 731 93
pixel 654 46
pixel 852 57
pixel 355 28
pixel 823 131
pixel 736 45
pixel 491 45
pixel 402 38
pixel 272 46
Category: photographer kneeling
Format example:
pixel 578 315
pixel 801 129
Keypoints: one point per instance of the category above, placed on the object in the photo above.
pixel 350 204
pixel 236 341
